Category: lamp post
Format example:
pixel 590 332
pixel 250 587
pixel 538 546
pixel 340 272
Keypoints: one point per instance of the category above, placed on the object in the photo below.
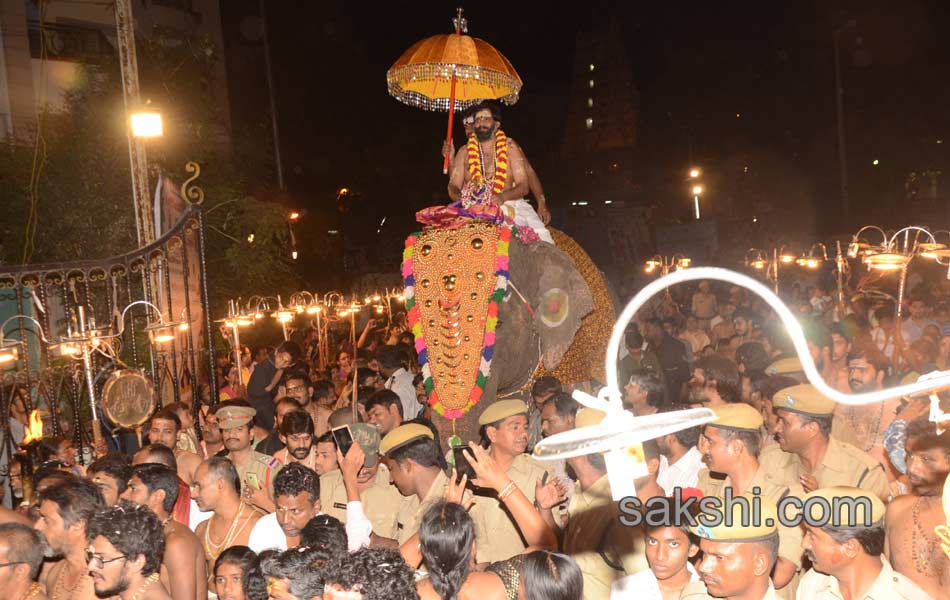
pixel 697 189
pixel 663 264
pixel 760 261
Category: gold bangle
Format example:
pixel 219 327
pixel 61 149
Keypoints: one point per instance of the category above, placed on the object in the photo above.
pixel 507 491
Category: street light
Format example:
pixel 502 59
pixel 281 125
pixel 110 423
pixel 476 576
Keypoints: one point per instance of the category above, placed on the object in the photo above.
pixel 146 124
pixel 694 173
pixel 697 191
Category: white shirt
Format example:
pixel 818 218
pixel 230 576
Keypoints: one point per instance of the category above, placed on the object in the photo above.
pixel 642 585
pixel 683 473
pixel 401 383
pixel 267 534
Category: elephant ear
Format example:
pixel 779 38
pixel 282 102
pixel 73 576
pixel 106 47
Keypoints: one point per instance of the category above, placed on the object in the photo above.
pixel 548 280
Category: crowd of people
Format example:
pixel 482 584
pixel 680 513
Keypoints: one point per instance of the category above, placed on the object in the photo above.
pixel 293 491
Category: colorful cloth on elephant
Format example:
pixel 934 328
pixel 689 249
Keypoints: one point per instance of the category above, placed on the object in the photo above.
pixel 525 218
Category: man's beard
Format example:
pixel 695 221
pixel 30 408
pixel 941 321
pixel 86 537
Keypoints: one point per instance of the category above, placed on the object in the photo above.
pixel 931 487
pixel 120 586
pixel 301 453
pixel 483 135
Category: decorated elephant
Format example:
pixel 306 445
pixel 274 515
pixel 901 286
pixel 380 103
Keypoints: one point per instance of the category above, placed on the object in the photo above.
pixel 491 313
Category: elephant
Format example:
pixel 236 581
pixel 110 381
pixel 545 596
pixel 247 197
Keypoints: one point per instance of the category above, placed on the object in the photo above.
pixel 543 302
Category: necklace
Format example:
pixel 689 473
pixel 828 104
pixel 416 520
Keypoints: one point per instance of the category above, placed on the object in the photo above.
pixel 922 550
pixel 32 592
pixel 476 162
pixel 857 425
pixel 151 579
pixel 212 549
pixel 61 584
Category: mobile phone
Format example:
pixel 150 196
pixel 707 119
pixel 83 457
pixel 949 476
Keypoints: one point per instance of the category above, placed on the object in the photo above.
pixel 343 438
pixel 253 481
pixel 544 479
pixel 460 456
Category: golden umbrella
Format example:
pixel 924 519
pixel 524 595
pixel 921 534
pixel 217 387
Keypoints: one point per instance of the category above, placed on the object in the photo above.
pixel 450 71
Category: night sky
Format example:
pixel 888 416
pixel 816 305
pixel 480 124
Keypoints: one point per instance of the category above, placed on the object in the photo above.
pixel 696 66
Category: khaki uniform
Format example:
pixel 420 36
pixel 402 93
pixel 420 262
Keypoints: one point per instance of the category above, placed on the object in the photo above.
pixel 501 538
pixel 380 501
pixel 843 464
pixel 789 538
pixel 604 549
pixel 696 590
pixel 889 585
pixel 410 511
pixel 263 467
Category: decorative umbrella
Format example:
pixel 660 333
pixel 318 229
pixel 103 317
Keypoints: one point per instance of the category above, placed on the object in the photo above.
pixel 452 71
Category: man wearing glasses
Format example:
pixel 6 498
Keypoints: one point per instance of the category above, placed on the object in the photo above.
pixel 516 177
pixel 65 509
pixel 125 553
pixel 21 556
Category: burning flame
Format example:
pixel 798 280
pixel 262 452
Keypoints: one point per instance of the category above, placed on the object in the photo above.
pixel 35 430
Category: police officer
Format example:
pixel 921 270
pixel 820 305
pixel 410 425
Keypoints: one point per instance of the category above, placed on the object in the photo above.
pixel 255 470
pixel 847 552
pixel 730 446
pixel 809 454
pixel 737 558
pixel 380 499
pixel 506 427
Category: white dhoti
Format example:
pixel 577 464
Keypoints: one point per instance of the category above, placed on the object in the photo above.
pixel 522 213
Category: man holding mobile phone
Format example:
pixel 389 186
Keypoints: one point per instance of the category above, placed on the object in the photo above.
pixel 256 470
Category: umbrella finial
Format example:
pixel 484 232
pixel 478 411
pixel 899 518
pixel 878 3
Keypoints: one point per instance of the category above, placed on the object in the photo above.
pixel 460 22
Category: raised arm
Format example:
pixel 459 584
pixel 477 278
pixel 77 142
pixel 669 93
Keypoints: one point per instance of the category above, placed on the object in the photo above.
pixel 457 177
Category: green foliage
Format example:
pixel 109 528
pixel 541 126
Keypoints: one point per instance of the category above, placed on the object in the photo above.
pixel 83 193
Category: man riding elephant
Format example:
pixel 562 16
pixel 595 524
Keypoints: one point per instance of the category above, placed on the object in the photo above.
pixel 492 168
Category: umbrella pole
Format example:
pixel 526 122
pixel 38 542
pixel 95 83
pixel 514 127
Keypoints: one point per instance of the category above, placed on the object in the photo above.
pixel 448 135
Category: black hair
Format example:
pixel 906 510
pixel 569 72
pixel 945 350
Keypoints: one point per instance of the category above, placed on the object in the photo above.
pixel 287 400
pixel 869 352
pixel 871 538
pixel 255 587
pixel 296 421
pixel 378 574
pixel 53 469
pixel 389 357
pixel 420 420
pixel 923 432
pixel 291 348
pixel 222 468
pixel 823 422
pixel 159 477
pixel 116 465
pixel 752 440
pixel 167 414
pixel 177 407
pixel 48 446
pixel 423 451
pixel 133 530
pixel 326 438
pixel 325 532
pixel 688 437
pixel 754 357
pixel 564 405
pixel 743 312
pixel 24 545
pixel 493 107
pixel 160 454
pixel 385 398
pixel 772 385
pixel 546 385
pixel 363 375
pixel 296 374
pixel 552 576
pixel 303 567
pixel 295 479
pixel 724 372
pixel 633 339
pixel 654 387
pixel 77 499
pixel 321 388
pixel 446 537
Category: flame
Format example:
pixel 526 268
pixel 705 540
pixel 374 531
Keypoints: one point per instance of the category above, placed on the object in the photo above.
pixel 35 430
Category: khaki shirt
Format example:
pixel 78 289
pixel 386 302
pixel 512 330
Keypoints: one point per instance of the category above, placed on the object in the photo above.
pixel 604 549
pixel 843 464
pixel 380 500
pixel 500 540
pixel 410 511
pixel 889 585
pixel 696 590
pixel 263 467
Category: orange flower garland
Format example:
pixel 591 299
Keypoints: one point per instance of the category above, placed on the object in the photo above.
pixel 476 164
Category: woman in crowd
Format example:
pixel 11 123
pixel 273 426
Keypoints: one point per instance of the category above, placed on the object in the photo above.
pixel 238 576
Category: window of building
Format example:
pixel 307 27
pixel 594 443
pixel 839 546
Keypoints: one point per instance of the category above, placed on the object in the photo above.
pixel 590 83
pixel 591 67
pixel 590 103
pixel 590 123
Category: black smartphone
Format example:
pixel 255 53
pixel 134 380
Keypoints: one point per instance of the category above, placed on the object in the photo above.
pixel 460 456
pixel 343 438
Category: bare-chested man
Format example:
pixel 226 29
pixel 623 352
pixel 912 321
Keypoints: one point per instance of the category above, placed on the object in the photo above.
pixel 164 429
pixel 298 386
pixel 64 510
pixel 183 571
pixel 911 546
pixel 217 488
pixel 484 171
